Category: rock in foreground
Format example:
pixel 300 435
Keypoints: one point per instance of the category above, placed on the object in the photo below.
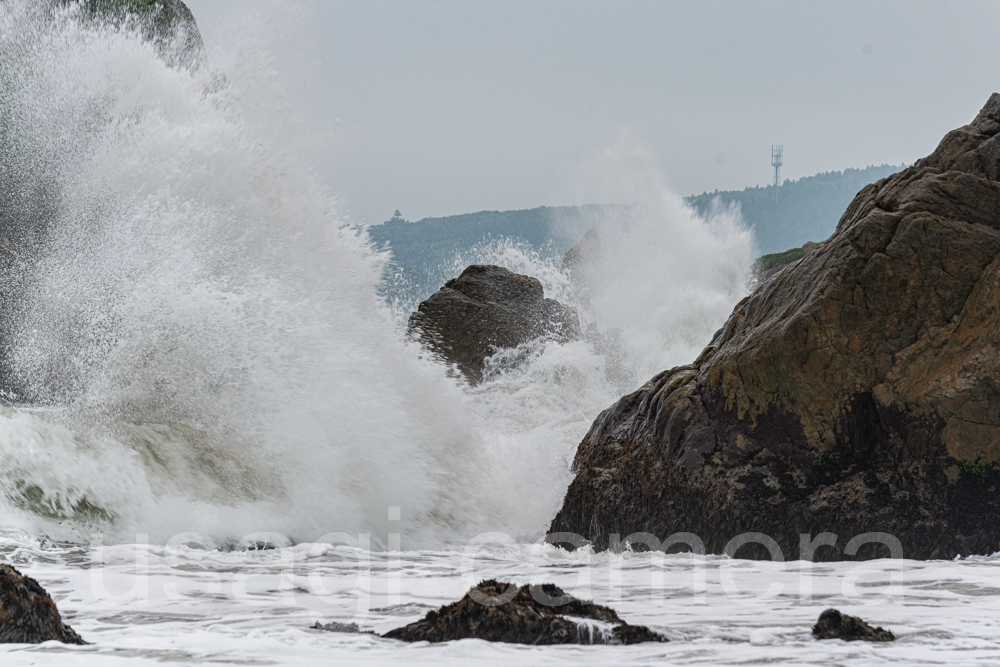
pixel 27 613
pixel 855 393
pixel 485 308
pixel 500 612
pixel 833 624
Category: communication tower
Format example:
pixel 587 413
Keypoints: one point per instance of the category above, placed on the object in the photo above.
pixel 776 153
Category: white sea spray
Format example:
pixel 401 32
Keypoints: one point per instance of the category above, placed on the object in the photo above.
pixel 206 334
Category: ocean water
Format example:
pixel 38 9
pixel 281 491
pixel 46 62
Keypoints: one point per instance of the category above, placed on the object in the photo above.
pixel 148 604
pixel 222 434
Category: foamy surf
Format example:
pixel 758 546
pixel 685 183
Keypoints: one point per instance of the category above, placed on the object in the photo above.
pixel 151 604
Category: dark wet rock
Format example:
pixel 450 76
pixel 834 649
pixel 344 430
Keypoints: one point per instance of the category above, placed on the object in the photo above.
pixel 833 624
pixel 27 613
pixel 487 308
pixel 537 614
pixel 855 393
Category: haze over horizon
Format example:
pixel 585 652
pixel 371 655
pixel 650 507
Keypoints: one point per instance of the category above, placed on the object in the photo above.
pixel 438 107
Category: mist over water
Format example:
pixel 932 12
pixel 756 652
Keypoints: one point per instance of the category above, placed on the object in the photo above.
pixel 199 341
pixel 664 279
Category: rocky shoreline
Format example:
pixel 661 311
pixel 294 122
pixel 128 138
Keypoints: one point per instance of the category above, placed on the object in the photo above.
pixel 849 408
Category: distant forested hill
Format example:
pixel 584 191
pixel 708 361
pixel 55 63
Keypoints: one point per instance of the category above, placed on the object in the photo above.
pixel 431 241
pixel 427 252
pixel 804 210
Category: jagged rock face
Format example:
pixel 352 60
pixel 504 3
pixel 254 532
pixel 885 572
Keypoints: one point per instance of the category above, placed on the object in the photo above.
pixel 538 614
pixel 833 624
pixel 27 613
pixel 485 308
pixel 858 390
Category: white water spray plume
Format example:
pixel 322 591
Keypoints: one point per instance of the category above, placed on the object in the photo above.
pixel 197 339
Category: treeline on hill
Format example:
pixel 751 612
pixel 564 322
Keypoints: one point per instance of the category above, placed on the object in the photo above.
pixel 427 252
pixel 804 210
pixel 431 241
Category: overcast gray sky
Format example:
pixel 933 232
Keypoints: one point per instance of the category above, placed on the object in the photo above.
pixel 453 106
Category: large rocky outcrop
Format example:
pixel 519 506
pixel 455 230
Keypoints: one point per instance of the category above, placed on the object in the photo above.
pixel 536 614
pixel 856 391
pixel 484 309
pixel 27 613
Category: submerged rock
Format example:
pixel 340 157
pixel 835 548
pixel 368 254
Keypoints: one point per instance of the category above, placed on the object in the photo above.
pixel 536 614
pixel 27 613
pixel 334 626
pixel 855 393
pixel 833 624
pixel 486 308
